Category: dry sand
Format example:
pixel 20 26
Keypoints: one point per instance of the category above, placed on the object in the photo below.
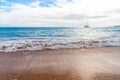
pixel 63 64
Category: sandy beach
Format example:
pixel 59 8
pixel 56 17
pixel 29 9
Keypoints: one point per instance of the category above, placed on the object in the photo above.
pixel 63 64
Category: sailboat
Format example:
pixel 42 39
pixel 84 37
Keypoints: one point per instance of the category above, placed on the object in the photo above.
pixel 86 26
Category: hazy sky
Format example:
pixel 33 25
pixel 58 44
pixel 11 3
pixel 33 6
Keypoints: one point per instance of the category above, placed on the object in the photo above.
pixel 59 13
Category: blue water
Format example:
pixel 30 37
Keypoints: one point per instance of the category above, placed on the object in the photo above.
pixel 14 36
pixel 28 32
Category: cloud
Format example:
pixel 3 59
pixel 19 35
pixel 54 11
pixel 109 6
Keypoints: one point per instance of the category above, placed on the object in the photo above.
pixel 47 3
pixel 79 17
pixel 58 13
pixel 116 11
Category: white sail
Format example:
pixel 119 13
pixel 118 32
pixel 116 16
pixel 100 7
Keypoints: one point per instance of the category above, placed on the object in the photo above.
pixel 87 26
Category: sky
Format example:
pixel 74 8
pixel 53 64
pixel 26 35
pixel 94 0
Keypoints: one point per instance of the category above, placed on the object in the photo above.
pixel 59 13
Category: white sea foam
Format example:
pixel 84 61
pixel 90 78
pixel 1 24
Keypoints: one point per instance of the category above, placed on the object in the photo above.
pixel 51 43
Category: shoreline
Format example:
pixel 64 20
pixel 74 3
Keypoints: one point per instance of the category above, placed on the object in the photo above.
pixel 57 43
pixel 27 51
pixel 61 64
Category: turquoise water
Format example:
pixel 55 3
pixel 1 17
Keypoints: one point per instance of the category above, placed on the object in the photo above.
pixel 29 38
pixel 13 33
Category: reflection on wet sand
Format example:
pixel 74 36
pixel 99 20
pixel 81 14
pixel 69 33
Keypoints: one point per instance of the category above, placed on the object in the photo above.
pixel 64 64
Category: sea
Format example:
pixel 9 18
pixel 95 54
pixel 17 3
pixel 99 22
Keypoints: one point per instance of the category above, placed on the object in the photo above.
pixel 14 39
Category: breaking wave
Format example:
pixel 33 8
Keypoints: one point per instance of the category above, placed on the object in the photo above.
pixel 36 44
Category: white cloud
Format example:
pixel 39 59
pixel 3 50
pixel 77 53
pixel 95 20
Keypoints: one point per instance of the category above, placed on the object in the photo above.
pixel 35 4
pixel 63 13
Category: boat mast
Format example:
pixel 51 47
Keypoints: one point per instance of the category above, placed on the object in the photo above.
pixel 87 23
pixel 86 26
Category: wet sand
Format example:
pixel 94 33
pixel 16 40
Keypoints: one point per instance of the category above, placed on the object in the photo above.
pixel 63 64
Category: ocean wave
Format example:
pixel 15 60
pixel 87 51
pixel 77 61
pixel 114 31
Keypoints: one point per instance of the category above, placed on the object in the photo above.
pixel 29 44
